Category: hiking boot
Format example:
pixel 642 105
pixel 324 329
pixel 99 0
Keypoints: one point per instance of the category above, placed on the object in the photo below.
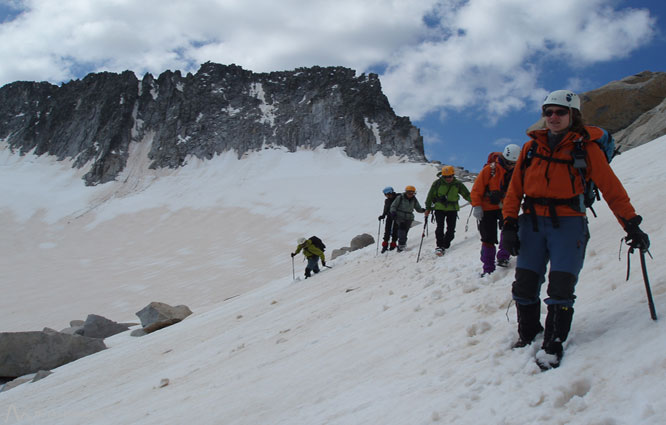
pixel 384 249
pixel 393 246
pixel 488 257
pixel 558 324
pixel 307 273
pixel 529 324
pixel 550 355
pixel 440 251
pixel 401 248
pixel 503 262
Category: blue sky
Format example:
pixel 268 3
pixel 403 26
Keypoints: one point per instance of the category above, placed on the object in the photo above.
pixel 469 73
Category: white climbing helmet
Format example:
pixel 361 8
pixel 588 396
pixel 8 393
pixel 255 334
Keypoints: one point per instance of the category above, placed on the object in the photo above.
pixel 301 241
pixel 511 152
pixel 565 98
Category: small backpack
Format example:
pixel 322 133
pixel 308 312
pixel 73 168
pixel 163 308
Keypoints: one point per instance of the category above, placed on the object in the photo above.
pixel 493 157
pixel 496 196
pixel 318 243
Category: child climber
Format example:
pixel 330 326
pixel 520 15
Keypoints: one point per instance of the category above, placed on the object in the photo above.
pixel 487 195
pixel 312 254
pixel 402 212
pixel 390 228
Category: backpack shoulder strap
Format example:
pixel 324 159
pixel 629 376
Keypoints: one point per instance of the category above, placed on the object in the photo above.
pixel 531 152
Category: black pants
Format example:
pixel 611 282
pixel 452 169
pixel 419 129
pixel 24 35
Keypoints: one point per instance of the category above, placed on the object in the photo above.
pixel 488 226
pixel 403 229
pixel 444 239
pixel 390 230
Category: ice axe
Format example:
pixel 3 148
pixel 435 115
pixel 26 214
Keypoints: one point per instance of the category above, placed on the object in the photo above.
pixel 648 291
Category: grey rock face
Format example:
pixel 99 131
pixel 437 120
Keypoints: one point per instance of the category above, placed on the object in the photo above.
pixel 100 327
pixel 220 108
pixel 361 241
pixel 22 353
pixel 340 251
pixel 156 313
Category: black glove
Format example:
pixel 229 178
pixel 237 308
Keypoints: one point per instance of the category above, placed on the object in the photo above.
pixel 293 254
pixel 510 240
pixel 636 238
pixel 380 218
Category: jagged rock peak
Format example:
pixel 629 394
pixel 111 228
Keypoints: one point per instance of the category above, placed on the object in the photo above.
pixel 217 109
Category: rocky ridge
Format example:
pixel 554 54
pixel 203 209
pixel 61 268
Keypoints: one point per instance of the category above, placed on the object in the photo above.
pixel 218 109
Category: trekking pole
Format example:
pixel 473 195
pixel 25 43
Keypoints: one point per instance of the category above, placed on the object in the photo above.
pixel 379 229
pixel 425 226
pixel 293 269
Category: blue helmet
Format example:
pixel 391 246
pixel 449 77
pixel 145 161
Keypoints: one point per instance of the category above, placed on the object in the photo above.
pixel 387 190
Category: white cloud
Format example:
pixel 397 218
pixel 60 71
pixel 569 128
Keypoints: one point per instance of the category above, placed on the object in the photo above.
pixel 437 54
pixel 493 56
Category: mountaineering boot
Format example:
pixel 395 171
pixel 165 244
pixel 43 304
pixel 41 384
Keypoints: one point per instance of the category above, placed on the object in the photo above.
pixel 529 323
pixel 307 273
pixel 558 324
pixel 502 255
pixel 439 251
pixel 401 248
pixel 488 258
pixel 393 246
pixel 384 246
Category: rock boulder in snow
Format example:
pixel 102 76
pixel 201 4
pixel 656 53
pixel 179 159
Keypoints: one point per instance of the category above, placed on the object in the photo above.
pixel 340 251
pixel 361 241
pixel 100 327
pixel 157 315
pixel 22 353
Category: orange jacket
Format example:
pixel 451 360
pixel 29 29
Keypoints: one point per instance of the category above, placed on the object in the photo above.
pixel 485 183
pixel 547 179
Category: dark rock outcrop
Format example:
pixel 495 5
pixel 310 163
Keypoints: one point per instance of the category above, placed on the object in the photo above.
pixel 357 242
pixel 361 241
pixel 218 109
pixel 158 315
pixel 97 326
pixel 22 353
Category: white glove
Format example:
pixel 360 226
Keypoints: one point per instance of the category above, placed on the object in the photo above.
pixel 477 212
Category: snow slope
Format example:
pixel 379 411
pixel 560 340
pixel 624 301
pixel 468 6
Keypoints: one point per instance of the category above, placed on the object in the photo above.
pixel 374 340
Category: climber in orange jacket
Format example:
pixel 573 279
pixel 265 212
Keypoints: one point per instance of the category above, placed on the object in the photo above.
pixel 487 195
pixel 549 180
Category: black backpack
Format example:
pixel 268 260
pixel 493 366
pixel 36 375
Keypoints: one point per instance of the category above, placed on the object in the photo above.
pixel 318 243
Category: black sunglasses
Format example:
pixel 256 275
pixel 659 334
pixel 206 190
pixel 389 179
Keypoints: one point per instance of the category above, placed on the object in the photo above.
pixel 558 112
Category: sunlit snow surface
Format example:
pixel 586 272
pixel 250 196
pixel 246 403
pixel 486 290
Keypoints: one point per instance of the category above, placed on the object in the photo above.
pixel 377 339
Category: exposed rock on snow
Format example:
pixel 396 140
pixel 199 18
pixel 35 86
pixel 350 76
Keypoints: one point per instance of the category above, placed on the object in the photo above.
pixel 100 327
pixel 158 315
pixel 22 353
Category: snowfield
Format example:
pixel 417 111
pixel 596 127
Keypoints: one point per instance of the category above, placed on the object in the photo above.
pixel 377 339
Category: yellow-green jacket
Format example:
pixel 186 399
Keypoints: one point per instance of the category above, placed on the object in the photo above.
pixel 309 250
